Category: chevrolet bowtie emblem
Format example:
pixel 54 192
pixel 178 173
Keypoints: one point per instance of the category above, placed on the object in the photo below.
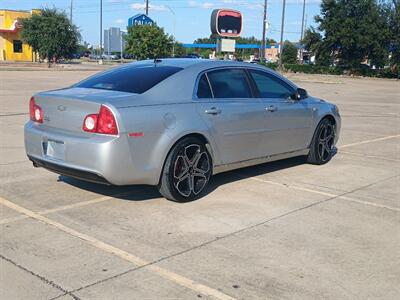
pixel 61 108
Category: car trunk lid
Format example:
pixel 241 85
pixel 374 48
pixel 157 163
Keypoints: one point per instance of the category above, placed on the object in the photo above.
pixel 66 109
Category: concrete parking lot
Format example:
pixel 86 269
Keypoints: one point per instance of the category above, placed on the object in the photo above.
pixel 283 230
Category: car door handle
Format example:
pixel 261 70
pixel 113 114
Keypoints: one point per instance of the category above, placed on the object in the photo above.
pixel 271 108
pixel 213 111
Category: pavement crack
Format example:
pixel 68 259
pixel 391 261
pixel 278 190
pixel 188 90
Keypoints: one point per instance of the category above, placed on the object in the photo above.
pixel 40 277
pixel 13 114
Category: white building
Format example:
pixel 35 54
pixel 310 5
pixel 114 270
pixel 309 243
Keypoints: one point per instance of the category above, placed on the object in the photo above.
pixel 114 40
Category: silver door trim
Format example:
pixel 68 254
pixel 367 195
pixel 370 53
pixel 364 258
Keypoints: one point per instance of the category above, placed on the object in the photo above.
pixel 256 161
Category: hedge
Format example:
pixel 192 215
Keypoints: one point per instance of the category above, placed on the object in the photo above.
pixel 363 70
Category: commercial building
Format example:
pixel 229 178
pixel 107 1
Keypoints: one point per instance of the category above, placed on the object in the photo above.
pixel 114 40
pixel 11 46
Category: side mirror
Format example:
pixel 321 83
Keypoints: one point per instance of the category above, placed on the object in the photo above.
pixel 299 94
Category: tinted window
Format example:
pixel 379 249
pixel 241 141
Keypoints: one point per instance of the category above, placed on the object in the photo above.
pixel 270 86
pixel 129 79
pixel 204 91
pixel 229 83
pixel 17 46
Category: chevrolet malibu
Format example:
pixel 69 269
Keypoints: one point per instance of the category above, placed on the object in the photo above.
pixel 175 122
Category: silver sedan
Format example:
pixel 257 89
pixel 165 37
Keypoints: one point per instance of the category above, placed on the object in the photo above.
pixel 175 122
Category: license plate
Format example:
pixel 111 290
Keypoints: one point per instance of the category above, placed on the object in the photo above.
pixel 55 149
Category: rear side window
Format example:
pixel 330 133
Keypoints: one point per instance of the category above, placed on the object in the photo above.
pixel 270 86
pixel 130 79
pixel 204 90
pixel 229 83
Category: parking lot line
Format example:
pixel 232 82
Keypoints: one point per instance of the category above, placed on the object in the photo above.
pixel 169 275
pixel 299 188
pixel 65 207
pixel 370 156
pixel 370 141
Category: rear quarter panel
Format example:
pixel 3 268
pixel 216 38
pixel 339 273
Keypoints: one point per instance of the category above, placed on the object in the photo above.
pixel 153 130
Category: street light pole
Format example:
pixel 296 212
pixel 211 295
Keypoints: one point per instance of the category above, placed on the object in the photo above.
pixel 122 48
pixel 302 30
pixel 282 29
pixel 70 12
pixel 173 42
pixel 262 52
pixel 101 29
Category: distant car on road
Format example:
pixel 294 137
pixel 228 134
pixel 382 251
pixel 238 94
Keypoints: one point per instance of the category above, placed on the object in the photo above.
pixel 175 122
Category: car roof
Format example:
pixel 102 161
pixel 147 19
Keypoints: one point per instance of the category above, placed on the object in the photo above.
pixel 188 62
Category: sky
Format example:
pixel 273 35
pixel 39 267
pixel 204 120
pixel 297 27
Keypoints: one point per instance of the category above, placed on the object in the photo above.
pixel 192 18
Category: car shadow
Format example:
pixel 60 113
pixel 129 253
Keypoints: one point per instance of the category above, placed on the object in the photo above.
pixel 145 192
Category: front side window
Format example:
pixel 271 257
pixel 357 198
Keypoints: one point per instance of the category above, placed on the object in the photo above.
pixel 229 83
pixel 17 46
pixel 271 87
pixel 131 79
pixel 203 90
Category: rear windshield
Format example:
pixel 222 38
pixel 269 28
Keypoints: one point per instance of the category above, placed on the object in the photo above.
pixel 130 79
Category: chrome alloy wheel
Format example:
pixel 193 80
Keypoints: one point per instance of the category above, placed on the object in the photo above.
pixel 191 170
pixel 326 141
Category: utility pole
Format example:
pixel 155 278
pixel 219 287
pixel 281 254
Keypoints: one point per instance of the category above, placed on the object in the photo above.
pixel 302 30
pixel 147 7
pixel 282 29
pixel 70 11
pixel 262 52
pixel 101 30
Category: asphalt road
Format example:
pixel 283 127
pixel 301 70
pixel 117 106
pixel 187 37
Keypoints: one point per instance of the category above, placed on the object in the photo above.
pixel 284 230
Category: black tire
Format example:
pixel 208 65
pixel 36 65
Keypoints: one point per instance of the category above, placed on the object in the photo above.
pixel 187 171
pixel 322 144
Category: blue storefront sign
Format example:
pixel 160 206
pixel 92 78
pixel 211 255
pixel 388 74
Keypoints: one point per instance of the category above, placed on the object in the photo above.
pixel 140 19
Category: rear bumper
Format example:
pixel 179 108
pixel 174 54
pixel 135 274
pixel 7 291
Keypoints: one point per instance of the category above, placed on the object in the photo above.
pixel 91 157
pixel 71 172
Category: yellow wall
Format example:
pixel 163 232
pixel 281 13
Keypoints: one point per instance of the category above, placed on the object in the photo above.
pixel 7 18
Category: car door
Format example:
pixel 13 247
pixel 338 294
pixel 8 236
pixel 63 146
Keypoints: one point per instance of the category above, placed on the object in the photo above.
pixel 287 121
pixel 234 117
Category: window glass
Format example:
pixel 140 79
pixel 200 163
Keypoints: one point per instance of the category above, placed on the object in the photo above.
pixel 271 87
pixel 229 83
pixel 204 91
pixel 17 46
pixel 131 79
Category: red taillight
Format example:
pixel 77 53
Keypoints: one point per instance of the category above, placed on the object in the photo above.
pixel 35 111
pixel 103 122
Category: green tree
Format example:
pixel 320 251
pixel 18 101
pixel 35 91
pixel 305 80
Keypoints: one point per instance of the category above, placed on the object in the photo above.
pixel 179 49
pixel 148 42
pixel 312 40
pixel 391 12
pixel 289 53
pixel 50 34
pixel 353 31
